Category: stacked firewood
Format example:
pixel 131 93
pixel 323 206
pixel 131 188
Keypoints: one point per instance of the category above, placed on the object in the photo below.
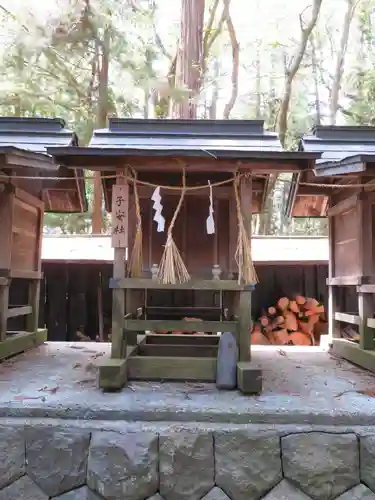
pixel 298 321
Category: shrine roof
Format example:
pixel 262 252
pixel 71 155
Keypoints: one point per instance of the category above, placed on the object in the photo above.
pixel 35 134
pixel 29 139
pixel 344 149
pixel 230 139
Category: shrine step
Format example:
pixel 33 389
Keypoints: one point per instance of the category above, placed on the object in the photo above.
pixel 172 339
pixel 180 351
pixel 171 368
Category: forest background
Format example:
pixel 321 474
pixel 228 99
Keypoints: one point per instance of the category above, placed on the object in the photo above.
pixel 294 64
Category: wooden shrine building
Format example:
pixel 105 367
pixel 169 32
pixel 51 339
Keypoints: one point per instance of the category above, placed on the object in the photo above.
pixel 29 185
pixel 348 161
pixel 182 194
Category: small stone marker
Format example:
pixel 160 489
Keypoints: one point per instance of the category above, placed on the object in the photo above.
pixel 227 357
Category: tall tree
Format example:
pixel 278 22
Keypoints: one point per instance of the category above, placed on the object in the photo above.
pixel 340 61
pixel 189 58
pixel 293 66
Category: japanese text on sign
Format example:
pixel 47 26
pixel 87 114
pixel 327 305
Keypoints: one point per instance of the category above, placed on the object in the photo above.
pixel 120 202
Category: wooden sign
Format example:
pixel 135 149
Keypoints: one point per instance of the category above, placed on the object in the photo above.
pixel 120 208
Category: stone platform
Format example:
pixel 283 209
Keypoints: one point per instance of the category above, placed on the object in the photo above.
pixel 310 435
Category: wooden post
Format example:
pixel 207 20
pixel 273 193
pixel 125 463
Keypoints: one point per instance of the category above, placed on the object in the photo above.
pixel 32 321
pixel 4 301
pixel 244 304
pixel 365 300
pixel 365 311
pixel 120 241
pixel 332 291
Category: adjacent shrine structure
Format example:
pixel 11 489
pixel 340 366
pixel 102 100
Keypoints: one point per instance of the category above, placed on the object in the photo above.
pixel 348 162
pixel 29 185
pixel 182 194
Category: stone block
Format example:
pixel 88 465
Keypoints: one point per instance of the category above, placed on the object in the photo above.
pixel 123 465
pixel 367 453
pixel 56 460
pixel 22 489
pixel 286 491
pixel 186 465
pixel 216 494
pixel 360 492
pixel 247 464
pixel 112 374
pixel 249 379
pixel 12 454
pixel 322 465
pixel 83 493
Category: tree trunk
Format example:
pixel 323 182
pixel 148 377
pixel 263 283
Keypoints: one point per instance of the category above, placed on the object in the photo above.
pixel 189 58
pixel 340 61
pixel 293 67
pixel 235 60
pixel 212 111
pixel 315 72
pixel 258 77
pixel 102 115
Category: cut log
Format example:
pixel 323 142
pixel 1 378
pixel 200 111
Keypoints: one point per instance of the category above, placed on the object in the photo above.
pixel 283 303
pixel 300 300
pixel 299 338
pixel 257 338
pixel 293 306
pixel 280 337
pixel 290 321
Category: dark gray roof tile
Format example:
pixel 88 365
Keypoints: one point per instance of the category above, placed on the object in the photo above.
pixel 35 134
pixel 186 135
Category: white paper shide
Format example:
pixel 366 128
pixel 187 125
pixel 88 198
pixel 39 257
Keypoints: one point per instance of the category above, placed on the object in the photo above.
pixel 158 207
pixel 210 222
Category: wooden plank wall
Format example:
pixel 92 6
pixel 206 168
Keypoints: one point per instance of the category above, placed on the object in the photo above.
pixel 69 297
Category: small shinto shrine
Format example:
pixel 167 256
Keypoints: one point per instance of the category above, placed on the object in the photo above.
pixel 182 194
pixel 348 161
pixel 29 186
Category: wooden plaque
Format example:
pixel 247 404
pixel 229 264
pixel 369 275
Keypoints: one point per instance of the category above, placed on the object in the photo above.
pixel 120 208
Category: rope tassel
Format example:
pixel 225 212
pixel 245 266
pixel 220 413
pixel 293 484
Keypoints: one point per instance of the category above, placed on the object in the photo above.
pixel 246 270
pixel 172 268
pixel 136 259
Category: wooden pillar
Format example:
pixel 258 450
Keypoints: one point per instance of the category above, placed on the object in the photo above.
pixel 365 311
pixel 120 241
pixel 32 321
pixel 332 290
pixel 244 303
pixel 365 300
pixel 4 301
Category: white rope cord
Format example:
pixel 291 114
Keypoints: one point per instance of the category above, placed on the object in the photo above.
pixel 187 188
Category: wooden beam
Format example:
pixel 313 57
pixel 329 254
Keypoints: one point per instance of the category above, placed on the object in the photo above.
pixel 185 339
pixel 178 351
pixel 161 368
pixel 180 325
pixel 347 280
pixel 344 205
pixel 21 342
pixel 14 312
pixel 353 353
pixel 353 319
pixel 148 284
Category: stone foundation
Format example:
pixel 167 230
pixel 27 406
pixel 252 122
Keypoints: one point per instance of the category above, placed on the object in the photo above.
pixel 250 463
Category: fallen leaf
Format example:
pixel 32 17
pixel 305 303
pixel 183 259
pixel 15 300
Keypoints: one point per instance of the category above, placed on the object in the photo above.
pixel 367 392
pixel 23 398
pixel 281 352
